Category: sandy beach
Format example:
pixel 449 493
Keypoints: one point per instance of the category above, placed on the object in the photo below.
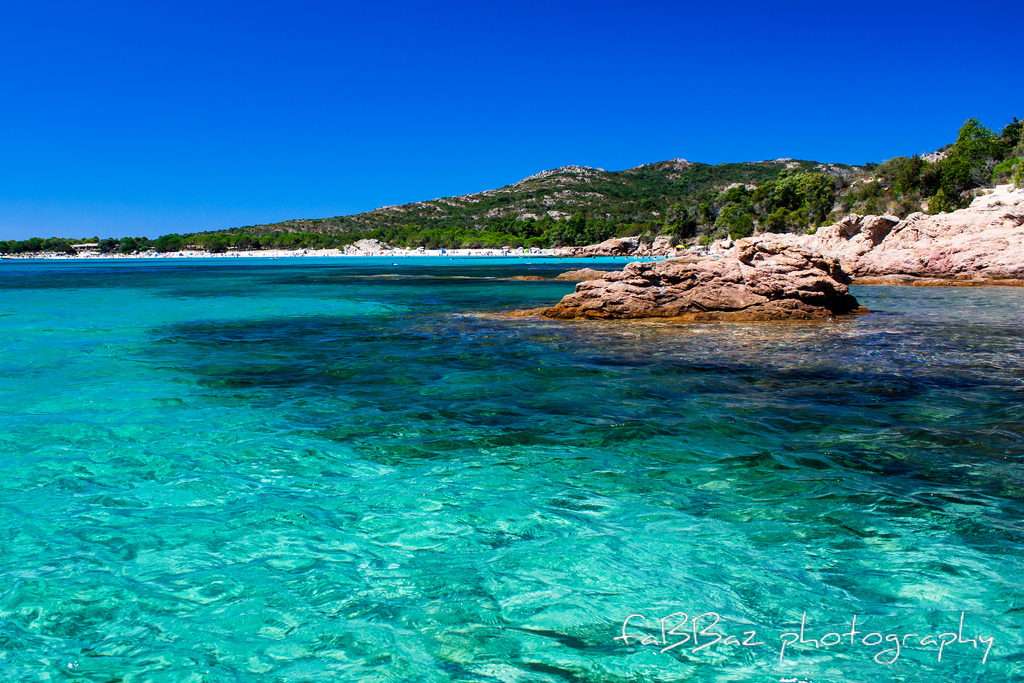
pixel 298 253
pixel 567 253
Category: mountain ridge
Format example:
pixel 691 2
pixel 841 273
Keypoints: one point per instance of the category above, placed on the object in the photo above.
pixel 641 194
pixel 689 201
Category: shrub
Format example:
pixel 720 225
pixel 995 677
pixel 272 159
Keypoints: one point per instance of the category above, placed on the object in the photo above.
pixel 1004 171
pixel 903 173
pixel 777 220
pixel 736 221
pixel 942 203
pixel 931 179
pixel 906 207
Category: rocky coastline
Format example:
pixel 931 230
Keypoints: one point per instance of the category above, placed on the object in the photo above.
pixel 982 244
pixel 806 277
pixel 763 280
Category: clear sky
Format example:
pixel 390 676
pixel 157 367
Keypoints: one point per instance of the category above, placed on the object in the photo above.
pixel 137 118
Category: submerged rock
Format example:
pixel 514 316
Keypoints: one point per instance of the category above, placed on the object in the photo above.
pixel 582 274
pixel 774 279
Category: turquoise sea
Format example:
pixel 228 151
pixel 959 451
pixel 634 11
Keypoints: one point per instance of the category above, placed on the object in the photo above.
pixel 347 470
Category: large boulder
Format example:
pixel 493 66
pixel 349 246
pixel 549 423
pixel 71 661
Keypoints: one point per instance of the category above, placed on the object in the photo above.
pixel 616 246
pixel 664 245
pixel 766 279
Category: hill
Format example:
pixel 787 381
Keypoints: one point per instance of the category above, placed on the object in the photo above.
pixel 577 205
pixel 572 205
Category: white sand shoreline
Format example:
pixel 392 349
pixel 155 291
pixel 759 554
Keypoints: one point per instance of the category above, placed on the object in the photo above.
pixel 295 253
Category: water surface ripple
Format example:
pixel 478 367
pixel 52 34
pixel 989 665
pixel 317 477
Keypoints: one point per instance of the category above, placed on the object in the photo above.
pixel 304 470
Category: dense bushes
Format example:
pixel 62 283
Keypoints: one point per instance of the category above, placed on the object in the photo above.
pixel 36 245
pixel 978 158
pixel 794 201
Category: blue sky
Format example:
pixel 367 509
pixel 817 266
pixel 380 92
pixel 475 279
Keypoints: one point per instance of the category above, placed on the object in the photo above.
pixel 143 118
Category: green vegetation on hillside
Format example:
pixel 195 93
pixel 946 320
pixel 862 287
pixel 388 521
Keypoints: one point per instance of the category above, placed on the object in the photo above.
pixel 978 158
pixel 575 206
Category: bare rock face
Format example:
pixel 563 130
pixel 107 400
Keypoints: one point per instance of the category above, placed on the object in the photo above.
pixel 853 236
pixel 627 246
pixel 773 279
pixel 663 245
pixel 366 247
pixel 616 246
pixel 982 242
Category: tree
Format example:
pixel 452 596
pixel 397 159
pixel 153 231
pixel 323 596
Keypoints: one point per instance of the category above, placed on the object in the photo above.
pixel 571 232
pixel 217 244
pixel 795 200
pixel 245 242
pixel 1009 138
pixel 819 194
pixel 166 243
pixel 737 221
pixel 679 223
pixel 903 173
pixel 964 167
pixel 931 179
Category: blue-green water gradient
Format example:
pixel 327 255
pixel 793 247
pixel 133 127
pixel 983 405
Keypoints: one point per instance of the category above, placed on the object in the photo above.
pixel 332 470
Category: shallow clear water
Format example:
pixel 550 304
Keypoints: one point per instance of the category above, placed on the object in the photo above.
pixel 301 470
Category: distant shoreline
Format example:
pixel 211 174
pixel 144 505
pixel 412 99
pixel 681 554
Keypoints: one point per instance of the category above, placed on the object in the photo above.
pixel 311 253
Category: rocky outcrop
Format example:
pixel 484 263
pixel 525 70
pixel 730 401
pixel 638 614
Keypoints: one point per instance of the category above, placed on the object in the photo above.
pixel 984 242
pixel 853 236
pixel 366 247
pixel 626 246
pixel 912 281
pixel 663 246
pixel 616 246
pixel 775 279
pixel 582 275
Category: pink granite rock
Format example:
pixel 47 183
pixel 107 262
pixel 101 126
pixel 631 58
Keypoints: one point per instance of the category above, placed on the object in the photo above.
pixel 774 279
pixel 616 246
pixel 582 274
pixel 983 241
